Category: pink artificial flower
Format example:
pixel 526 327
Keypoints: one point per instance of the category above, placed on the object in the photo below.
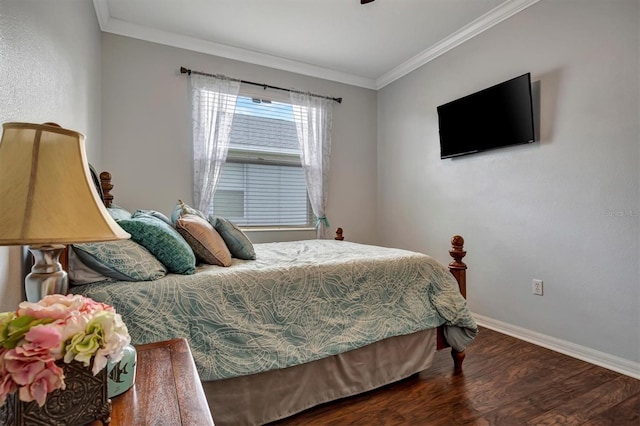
pixel 91 306
pixel 45 382
pixel 53 306
pixel 74 324
pixel 24 368
pixel 57 327
pixel 7 385
pixel 29 351
pixel 43 342
pixel 44 336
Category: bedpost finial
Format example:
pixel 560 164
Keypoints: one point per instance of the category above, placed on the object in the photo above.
pixel 105 184
pixel 457 241
pixel 339 236
pixel 457 253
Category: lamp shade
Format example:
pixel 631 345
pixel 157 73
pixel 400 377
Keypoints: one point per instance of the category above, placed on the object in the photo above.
pixel 46 191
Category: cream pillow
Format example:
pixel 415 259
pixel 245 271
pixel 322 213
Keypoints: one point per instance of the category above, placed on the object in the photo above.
pixel 206 243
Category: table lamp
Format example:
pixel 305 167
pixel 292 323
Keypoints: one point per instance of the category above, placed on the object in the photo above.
pixel 48 199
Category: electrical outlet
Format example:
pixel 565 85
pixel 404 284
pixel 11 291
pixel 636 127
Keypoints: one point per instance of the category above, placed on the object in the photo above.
pixel 537 287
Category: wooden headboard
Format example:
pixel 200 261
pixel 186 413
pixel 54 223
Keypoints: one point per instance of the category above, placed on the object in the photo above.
pixel 106 187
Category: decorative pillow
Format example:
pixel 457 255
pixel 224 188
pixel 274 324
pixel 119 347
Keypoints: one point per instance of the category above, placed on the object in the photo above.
pixel 123 260
pixel 80 274
pixel 237 241
pixel 206 243
pixel 164 242
pixel 155 214
pixel 118 212
pixel 182 208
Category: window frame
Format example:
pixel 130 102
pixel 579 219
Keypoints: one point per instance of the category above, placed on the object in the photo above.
pixel 253 155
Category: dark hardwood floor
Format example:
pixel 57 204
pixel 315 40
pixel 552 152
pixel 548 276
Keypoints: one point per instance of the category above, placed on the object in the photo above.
pixel 505 381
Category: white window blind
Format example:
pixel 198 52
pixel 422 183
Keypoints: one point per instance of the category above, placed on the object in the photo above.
pixel 262 181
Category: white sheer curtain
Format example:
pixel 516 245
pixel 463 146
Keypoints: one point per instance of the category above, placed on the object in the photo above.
pixel 213 104
pixel 313 116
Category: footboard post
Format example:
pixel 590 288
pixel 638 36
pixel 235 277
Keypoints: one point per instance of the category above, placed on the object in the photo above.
pixel 459 270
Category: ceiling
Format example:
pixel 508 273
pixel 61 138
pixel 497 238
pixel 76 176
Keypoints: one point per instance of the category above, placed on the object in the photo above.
pixel 341 40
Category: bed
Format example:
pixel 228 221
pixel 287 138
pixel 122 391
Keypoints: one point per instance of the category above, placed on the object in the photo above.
pixel 305 323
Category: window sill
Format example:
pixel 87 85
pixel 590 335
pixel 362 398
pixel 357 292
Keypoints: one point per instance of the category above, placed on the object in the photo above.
pixel 275 229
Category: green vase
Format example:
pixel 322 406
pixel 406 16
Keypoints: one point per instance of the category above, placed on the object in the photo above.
pixel 122 374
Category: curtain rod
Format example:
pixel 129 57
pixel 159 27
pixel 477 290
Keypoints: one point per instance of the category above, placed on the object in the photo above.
pixel 184 70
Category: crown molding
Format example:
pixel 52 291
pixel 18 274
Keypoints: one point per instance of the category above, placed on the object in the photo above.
pixel 500 13
pixel 102 12
pixel 111 25
pixel 474 28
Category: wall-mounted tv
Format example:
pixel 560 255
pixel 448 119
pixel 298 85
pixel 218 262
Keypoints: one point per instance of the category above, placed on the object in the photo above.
pixel 501 115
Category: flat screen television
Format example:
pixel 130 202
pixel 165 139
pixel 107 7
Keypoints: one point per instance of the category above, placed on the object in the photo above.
pixel 501 115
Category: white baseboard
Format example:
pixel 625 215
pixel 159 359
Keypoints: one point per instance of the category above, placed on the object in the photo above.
pixel 611 362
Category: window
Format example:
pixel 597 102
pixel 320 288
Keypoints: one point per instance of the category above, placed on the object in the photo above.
pixel 262 182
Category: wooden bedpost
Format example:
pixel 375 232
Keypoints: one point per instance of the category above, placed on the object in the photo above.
pixel 105 183
pixel 339 236
pixel 459 270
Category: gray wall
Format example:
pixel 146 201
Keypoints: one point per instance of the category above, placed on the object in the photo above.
pixel 49 71
pixel 146 132
pixel 565 209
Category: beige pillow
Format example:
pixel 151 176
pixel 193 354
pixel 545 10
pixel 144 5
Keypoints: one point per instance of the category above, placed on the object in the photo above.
pixel 206 243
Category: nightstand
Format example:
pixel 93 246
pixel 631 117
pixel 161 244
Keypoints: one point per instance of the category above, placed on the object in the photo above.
pixel 167 389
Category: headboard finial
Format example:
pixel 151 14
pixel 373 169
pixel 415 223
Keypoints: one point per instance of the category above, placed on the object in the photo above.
pixel 105 183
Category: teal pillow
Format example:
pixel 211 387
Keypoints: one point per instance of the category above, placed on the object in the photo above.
pixel 237 241
pixel 181 208
pixel 163 241
pixel 155 214
pixel 118 212
pixel 123 260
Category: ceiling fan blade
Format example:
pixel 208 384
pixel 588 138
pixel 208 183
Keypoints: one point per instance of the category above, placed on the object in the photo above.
pixel 365 1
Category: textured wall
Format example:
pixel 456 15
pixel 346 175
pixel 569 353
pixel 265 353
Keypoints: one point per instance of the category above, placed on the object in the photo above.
pixel 565 209
pixel 49 71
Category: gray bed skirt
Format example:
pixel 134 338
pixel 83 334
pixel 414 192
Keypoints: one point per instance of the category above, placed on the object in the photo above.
pixel 262 398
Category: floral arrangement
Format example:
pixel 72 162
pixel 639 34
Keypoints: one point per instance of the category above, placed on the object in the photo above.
pixel 58 327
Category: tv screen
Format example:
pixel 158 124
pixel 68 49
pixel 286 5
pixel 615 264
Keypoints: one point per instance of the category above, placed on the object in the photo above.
pixel 501 115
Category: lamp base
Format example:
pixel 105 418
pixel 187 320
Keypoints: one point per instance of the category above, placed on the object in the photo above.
pixel 47 275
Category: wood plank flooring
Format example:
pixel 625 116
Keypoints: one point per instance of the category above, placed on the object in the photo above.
pixel 505 381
